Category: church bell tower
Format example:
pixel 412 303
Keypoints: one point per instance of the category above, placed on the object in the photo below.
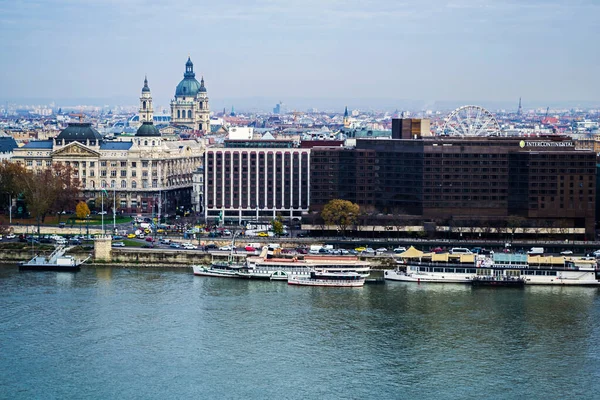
pixel 146 111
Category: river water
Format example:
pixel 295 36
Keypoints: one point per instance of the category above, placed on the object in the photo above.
pixel 109 333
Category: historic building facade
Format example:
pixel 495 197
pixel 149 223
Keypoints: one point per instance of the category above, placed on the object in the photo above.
pixel 190 105
pixel 143 172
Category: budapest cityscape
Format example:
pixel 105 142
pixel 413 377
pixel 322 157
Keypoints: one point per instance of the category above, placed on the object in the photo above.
pixel 303 199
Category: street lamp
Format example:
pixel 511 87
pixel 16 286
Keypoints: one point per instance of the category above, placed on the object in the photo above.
pixel 87 226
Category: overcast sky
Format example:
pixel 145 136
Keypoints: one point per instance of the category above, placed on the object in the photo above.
pixel 408 49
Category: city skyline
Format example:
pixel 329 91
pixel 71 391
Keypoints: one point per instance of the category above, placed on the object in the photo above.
pixel 458 51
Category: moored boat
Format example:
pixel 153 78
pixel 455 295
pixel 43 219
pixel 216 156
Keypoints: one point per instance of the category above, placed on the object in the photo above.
pixel 57 261
pixel 331 279
pixel 219 269
pixel 498 270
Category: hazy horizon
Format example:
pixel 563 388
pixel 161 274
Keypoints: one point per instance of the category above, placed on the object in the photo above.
pixel 310 53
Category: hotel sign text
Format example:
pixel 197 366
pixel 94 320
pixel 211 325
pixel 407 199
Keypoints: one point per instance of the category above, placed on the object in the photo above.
pixel 524 144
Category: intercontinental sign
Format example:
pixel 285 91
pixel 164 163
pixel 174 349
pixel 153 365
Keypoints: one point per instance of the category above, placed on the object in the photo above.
pixel 524 143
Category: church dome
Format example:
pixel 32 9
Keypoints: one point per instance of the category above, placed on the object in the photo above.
pixel 79 132
pixel 189 86
pixel 147 129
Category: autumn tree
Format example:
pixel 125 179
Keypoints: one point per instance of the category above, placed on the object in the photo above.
pixel 277 224
pixel 341 213
pixel 67 188
pixel 82 210
pixel 48 190
pixel 11 181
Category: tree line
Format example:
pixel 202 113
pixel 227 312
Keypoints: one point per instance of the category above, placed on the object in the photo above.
pixel 43 191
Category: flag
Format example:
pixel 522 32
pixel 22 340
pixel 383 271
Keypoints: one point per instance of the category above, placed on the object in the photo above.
pixel 105 192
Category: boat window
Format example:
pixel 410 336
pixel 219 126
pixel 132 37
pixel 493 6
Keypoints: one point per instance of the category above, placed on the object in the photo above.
pixel 460 270
pixel 438 270
pixel 471 271
pixel 450 270
pixel 540 272
pixel 551 273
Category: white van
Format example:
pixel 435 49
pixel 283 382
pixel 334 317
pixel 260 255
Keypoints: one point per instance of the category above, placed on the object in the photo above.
pixel 536 251
pixel 460 250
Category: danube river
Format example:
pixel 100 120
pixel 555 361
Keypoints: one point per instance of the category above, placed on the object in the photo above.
pixel 109 333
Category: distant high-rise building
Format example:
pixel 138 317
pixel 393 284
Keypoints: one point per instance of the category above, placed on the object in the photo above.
pixel 520 110
pixel 190 105
pixel 410 128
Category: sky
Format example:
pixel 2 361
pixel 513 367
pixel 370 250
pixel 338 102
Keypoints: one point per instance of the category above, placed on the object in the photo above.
pixel 351 51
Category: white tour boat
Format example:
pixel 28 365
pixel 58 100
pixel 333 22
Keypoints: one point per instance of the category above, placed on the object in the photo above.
pixel 501 267
pixel 274 267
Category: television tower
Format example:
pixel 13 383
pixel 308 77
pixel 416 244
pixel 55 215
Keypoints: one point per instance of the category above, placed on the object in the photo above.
pixel 520 110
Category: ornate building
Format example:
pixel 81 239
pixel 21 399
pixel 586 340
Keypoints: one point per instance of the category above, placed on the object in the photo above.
pixel 142 172
pixel 190 105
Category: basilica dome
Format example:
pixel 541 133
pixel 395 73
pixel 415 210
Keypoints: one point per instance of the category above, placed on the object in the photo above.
pixel 189 86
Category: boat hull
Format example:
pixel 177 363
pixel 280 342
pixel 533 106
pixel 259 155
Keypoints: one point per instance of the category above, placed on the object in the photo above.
pixel 324 282
pixel 54 268
pixel 217 273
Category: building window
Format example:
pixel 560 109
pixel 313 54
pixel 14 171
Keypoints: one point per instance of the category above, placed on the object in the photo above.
pixel 133 184
pixel 113 174
pixel 48 163
pixel 145 183
pixel 123 173
pixel 133 164
pixel 178 114
pixel 103 173
pixel 144 164
pixel 189 113
pixel 133 174
pixel 113 184
pixel 103 163
pixel 123 184
pixel 103 183
pixel 92 173
pixel 29 163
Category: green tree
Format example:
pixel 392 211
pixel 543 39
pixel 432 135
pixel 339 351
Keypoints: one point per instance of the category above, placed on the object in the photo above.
pixel 340 213
pixel 82 210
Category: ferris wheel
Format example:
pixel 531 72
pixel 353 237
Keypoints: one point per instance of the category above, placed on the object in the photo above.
pixel 471 121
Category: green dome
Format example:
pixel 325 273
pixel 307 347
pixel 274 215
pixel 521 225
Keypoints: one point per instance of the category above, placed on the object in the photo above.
pixel 79 132
pixel 189 86
pixel 147 129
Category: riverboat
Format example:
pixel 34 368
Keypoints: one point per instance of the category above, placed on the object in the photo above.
pixel 499 268
pixel 220 269
pixel 274 267
pixel 331 279
pixel 57 261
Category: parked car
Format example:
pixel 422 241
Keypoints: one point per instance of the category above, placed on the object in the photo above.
pixel 360 249
pixel 149 239
pixel 117 237
pixel 175 245
pixel 369 250
pixel 118 244
pixel 399 250
pixel 188 246
pixel 596 253
pixel 102 213
pixel 566 252
pixel 381 250
pixel 353 252
pixel 226 248
pixel 131 236
pixel 263 234
pixel 11 236
pixel 165 241
pixel 301 250
pixel 302 235
pixel 249 248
